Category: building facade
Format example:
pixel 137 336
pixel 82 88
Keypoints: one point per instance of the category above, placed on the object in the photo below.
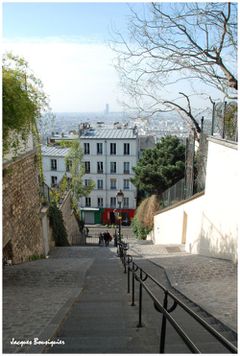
pixel 54 164
pixel 109 158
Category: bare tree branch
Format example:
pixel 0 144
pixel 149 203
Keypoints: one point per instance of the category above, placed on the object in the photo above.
pixel 172 42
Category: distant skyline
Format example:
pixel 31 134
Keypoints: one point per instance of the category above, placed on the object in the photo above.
pixel 66 45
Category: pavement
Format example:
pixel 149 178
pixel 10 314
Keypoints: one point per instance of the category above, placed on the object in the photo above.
pixel 209 282
pixel 37 295
pixel 41 299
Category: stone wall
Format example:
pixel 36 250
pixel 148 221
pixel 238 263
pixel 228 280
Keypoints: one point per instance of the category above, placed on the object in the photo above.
pixel 22 227
pixel 70 221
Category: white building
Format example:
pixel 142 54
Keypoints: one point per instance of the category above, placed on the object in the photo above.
pixel 54 164
pixel 109 158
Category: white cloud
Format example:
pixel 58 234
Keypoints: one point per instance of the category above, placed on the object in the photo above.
pixel 77 76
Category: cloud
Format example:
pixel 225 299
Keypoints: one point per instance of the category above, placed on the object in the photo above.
pixel 77 74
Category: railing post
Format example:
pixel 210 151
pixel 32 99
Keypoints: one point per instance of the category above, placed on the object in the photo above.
pixel 133 285
pixel 164 324
pixel 128 275
pixel 124 262
pixel 140 302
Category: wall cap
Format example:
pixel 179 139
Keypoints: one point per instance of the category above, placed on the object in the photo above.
pixel 19 158
pixel 221 141
pixel 195 196
pixel 44 210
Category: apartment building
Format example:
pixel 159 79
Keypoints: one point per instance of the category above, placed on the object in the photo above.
pixel 109 158
pixel 54 164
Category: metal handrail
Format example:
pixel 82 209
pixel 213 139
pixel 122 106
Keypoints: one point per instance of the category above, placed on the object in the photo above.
pixel 134 268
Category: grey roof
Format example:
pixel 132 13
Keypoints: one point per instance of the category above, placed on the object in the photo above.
pixel 54 151
pixel 108 134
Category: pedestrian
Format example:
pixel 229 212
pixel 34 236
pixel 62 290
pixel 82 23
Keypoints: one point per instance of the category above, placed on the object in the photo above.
pixel 107 238
pixel 100 239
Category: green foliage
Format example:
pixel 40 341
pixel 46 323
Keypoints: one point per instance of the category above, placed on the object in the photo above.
pixel 55 196
pixel 139 229
pixel 36 257
pixel 65 143
pixel 160 167
pixel 63 184
pixel 57 224
pixel 79 221
pixel 77 171
pixel 143 220
pixel 23 102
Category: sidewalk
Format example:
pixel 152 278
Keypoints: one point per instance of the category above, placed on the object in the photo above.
pixel 102 319
pixel 209 282
pixel 79 296
pixel 37 295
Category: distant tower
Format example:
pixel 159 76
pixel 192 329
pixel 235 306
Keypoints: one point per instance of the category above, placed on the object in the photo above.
pixel 107 109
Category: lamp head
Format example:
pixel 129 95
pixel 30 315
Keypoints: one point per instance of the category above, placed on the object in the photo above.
pixel 120 196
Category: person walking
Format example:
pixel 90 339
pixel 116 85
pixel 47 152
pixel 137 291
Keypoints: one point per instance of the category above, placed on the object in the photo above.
pixel 101 239
pixel 107 238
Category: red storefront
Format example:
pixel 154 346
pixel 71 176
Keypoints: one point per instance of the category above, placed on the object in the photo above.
pixel 110 216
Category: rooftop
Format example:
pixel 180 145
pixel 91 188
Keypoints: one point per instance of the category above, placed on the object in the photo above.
pixel 54 151
pixel 108 134
pixel 64 137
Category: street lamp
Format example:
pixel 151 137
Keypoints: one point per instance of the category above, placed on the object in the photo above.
pixel 119 197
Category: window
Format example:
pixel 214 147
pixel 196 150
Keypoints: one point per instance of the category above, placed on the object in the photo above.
pixel 113 183
pixel 100 167
pixel 87 182
pixel 87 167
pixel 86 148
pixel 126 184
pixel 126 202
pixel 100 202
pixel 53 181
pixel 113 167
pixel 99 148
pixel 126 167
pixel 53 164
pixel 113 202
pixel 68 165
pixel 100 184
pixel 88 201
pixel 126 148
pixel 112 148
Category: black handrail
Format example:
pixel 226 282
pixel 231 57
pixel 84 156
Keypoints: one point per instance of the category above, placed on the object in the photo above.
pixel 131 267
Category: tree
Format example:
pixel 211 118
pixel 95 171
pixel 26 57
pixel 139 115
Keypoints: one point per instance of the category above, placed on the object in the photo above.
pixel 160 167
pixel 171 43
pixel 77 171
pixel 24 102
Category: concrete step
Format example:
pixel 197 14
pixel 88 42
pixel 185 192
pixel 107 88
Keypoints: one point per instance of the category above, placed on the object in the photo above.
pixel 102 320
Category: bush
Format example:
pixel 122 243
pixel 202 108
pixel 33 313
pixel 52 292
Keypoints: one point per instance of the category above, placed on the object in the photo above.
pixel 139 230
pixel 142 222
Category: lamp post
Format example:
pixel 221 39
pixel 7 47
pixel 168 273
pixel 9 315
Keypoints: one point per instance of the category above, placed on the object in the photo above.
pixel 119 197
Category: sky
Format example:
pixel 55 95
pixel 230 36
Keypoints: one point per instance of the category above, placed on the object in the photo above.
pixel 66 46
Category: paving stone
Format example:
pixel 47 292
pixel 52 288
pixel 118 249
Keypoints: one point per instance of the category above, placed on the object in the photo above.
pixel 79 291
pixel 209 282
